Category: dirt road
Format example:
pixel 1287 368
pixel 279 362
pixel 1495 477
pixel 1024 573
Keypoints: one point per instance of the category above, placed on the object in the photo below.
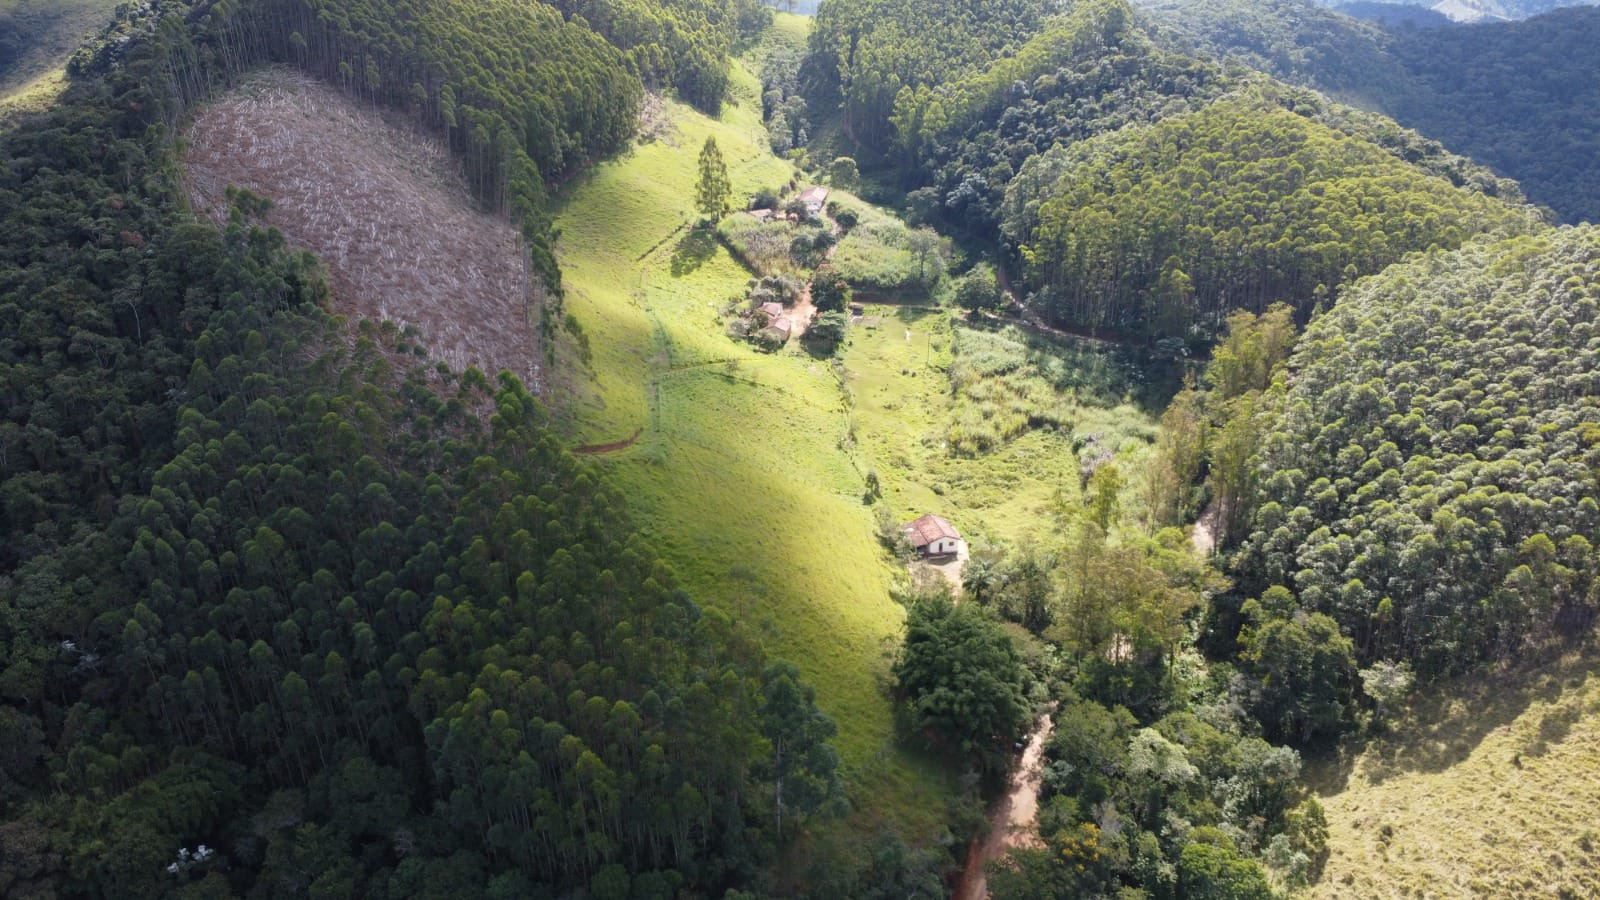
pixel 1011 818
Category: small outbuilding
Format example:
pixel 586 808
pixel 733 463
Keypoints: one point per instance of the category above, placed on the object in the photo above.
pixel 933 535
pixel 815 198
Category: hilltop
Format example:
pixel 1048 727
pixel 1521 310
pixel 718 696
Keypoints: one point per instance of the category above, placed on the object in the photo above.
pixel 1517 96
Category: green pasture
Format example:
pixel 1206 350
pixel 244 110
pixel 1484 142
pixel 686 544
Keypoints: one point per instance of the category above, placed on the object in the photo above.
pixel 738 475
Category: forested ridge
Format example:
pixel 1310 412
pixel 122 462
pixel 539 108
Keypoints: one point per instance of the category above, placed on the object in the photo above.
pixel 1162 230
pixel 1492 10
pixel 526 96
pixel 863 54
pixel 283 609
pixel 1516 96
pixel 1428 464
pixel 1298 41
pixel 1248 191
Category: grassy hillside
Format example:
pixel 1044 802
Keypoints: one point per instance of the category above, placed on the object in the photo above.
pixel 737 474
pixel 1489 789
pixel 36 38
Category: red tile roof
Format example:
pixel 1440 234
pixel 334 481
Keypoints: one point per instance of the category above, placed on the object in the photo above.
pixel 930 528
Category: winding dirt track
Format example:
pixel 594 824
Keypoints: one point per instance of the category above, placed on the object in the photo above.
pixel 1011 818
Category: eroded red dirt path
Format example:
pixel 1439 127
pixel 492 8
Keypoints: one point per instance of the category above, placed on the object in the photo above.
pixel 1011 818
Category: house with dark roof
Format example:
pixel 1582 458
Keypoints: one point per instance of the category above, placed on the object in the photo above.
pixel 933 535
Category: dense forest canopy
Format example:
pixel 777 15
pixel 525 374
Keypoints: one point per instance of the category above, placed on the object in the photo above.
pixel 1522 97
pixel 681 43
pixel 864 53
pixel 1295 40
pixel 1486 10
pixel 1395 14
pixel 1519 97
pixel 283 611
pixel 1161 230
pixel 1428 465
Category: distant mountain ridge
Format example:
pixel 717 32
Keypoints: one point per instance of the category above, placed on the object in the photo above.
pixel 1391 15
pixel 1521 97
pixel 1482 10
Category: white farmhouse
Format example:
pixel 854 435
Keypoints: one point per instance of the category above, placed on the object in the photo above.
pixel 932 535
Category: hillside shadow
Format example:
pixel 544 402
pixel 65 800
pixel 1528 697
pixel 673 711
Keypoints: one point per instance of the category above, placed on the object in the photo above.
pixel 1447 723
pixel 692 251
pixel 820 351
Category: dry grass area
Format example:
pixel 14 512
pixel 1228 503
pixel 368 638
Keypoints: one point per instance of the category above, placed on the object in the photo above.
pixel 1487 790
pixel 37 37
pixel 385 207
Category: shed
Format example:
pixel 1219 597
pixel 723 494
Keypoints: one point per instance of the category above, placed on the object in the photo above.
pixel 773 309
pixel 933 535
pixel 815 198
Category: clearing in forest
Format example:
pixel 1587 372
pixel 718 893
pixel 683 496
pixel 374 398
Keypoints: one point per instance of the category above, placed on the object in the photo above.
pixel 383 205
pixel 924 385
pixel 737 476
pixel 1487 789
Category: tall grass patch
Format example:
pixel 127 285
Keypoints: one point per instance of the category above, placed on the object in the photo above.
pixel 774 248
pixel 1008 383
pixel 883 256
pixel 904 402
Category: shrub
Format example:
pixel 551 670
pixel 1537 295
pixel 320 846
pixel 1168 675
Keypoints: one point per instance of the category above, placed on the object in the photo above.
pixel 830 291
pixel 979 289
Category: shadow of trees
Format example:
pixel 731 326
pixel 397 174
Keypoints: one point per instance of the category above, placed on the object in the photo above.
pixel 1446 723
pixel 692 251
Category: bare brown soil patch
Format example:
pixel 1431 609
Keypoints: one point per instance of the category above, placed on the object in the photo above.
pixel 612 447
pixel 384 206
pixel 1011 818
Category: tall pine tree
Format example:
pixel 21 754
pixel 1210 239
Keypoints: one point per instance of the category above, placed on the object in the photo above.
pixel 713 191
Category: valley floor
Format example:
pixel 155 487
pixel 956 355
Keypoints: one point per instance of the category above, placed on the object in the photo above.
pixel 737 473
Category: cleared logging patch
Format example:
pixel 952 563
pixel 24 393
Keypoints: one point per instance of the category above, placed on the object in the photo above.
pixel 384 206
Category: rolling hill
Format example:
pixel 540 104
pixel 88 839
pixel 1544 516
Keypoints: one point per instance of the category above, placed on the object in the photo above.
pixel 1519 96
pixel 37 37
